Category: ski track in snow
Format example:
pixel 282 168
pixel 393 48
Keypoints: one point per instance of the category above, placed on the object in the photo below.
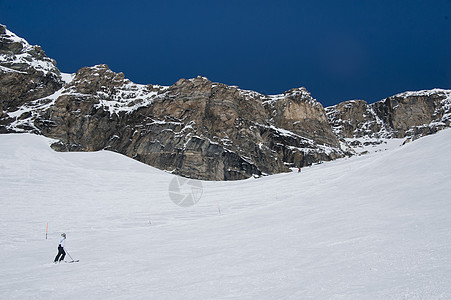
pixel 375 226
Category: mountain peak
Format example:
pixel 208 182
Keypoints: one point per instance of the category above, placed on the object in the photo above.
pixel 17 55
pixel 196 128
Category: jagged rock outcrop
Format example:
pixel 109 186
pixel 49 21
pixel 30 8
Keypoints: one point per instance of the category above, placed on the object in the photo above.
pixel 297 111
pixel 195 128
pixel 26 73
pixel 405 115
pixel 354 119
pixel 416 113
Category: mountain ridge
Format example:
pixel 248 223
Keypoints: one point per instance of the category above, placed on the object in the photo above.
pixel 196 128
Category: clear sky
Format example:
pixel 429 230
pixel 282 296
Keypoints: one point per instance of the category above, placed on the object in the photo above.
pixel 338 50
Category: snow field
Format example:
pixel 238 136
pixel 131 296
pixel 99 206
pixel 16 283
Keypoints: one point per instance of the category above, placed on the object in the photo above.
pixel 375 226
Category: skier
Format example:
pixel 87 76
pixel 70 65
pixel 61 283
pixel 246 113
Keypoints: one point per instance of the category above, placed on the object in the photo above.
pixel 299 170
pixel 61 253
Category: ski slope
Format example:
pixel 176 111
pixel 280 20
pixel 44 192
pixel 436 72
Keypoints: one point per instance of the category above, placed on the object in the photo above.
pixel 376 226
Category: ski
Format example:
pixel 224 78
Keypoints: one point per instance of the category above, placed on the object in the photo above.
pixel 72 261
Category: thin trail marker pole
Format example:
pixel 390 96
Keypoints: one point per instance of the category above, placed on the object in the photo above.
pixel 219 209
pixel 46 230
pixel 149 220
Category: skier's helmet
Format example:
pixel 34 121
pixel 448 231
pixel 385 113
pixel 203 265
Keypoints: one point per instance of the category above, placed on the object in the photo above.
pixel 63 234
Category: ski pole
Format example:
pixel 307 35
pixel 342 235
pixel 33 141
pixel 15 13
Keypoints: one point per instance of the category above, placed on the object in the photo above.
pixel 73 260
pixel 69 255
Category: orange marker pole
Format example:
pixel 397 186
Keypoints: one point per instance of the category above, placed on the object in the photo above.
pixel 219 209
pixel 46 230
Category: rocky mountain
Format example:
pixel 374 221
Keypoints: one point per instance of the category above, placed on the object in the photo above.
pixel 407 115
pixel 195 128
pixel 26 72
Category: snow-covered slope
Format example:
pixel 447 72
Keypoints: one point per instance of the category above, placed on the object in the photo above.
pixel 369 227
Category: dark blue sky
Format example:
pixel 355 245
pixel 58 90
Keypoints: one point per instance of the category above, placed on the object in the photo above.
pixel 338 50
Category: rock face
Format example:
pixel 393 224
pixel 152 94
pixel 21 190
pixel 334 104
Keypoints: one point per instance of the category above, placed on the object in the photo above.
pixel 26 73
pixel 416 113
pixel 410 114
pixel 195 128
pixel 353 119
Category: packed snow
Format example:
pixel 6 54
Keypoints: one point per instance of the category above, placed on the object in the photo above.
pixel 375 226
